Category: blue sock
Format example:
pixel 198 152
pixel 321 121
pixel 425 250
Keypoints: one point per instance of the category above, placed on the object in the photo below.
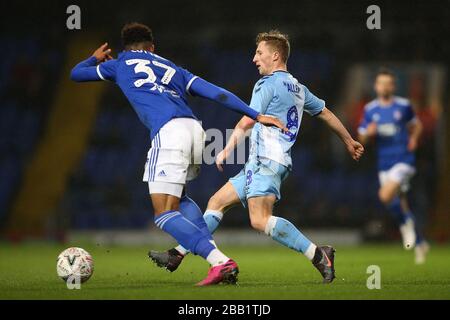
pixel 185 232
pixel 401 216
pixel 211 219
pixel 419 236
pixel 192 212
pixel 284 232
pixel 396 209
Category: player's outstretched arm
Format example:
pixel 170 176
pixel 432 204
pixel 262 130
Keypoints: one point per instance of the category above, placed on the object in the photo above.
pixel 86 70
pixel 368 134
pixel 415 130
pixel 239 133
pixel 354 148
pixel 205 89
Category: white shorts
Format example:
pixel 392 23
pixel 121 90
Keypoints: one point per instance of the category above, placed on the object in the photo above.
pixel 400 173
pixel 175 156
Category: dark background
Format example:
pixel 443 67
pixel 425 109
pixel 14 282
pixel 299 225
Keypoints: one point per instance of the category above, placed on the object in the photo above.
pixel 215 39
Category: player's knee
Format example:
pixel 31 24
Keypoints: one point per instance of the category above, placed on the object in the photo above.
pixel 385 197
pixel 258 223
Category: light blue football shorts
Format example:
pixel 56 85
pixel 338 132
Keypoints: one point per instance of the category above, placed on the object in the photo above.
pixel 259 177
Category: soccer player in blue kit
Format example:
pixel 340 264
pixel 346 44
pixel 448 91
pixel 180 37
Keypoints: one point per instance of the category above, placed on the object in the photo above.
pixel 391 121
pixel 257 186
pixel 157 89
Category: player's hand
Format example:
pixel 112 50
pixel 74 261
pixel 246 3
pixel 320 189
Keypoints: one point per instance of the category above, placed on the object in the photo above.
pixel 220 159
pixel 355 149
pixel 372 129
pixel 103 54
pixel 271 121
pixel 412 144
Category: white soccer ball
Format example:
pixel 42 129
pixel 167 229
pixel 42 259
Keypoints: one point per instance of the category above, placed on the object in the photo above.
pixel 76 264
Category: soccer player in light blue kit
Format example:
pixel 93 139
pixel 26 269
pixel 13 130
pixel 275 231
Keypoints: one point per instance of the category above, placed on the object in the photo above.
pixel 257 186
pixel 157 89
pixel 391 121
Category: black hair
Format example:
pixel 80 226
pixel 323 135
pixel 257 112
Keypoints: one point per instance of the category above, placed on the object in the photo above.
pixel 134 33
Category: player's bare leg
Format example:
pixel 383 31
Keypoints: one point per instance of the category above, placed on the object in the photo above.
pixel 224 199
pixel 390 195
pixel 164 202
pixel 284 232
pixel 388 191
pixel 260 210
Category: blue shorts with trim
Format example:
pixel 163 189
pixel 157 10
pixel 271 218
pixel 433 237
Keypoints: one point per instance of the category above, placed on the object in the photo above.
pixel 259 177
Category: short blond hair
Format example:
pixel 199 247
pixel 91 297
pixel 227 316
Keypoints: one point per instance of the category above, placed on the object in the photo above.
pixel 277 40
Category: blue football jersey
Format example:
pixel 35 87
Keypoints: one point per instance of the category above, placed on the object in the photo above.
pixel 282 96
pixel 155 87
pixel 392 131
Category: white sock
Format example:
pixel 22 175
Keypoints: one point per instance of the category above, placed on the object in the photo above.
pixel 408 233
pixel 216 213
pixel 182 250
pixel 216 257
pixel 270 225
pixel 310 251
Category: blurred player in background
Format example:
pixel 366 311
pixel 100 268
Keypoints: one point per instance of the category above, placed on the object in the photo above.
pixel 391 122
pixel 157 89
pixel 257 186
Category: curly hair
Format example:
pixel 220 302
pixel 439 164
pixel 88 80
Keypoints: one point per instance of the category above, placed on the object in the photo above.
pixel 134 32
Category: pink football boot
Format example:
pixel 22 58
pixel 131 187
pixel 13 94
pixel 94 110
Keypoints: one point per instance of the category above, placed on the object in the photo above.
pixel 225 273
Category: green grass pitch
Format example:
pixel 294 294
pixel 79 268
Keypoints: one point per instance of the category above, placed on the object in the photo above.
pixel 29 272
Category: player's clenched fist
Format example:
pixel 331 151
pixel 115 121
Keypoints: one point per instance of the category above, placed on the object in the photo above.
pixel 102 54
pixel 220 160
pixel 355 149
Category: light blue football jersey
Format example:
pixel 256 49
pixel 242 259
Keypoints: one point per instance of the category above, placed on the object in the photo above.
pixel 280 95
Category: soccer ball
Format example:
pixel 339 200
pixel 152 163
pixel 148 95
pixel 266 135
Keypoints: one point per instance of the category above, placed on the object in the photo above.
pixel 76 264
